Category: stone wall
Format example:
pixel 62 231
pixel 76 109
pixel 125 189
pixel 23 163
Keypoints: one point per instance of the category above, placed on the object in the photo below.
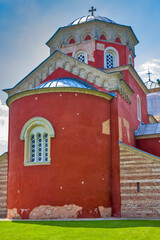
pixel 140 183
pixel 3 184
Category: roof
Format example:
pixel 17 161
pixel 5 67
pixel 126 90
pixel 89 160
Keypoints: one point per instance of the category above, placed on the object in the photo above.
pixel 66 82
pixel 87 19
pixel 90 18
pixel 148 129
pixel 151 84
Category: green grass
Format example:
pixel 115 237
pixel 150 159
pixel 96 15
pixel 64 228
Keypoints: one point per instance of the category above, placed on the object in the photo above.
pixel 80 230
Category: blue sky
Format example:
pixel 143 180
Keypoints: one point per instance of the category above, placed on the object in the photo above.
pixel 26 25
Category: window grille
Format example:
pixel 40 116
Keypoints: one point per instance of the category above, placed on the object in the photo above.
pixel 109 60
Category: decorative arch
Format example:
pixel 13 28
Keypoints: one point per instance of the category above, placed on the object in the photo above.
pixel 71 41
pixel 88 37
pixel 81 55
pixel 118 40
pixel 103 37
pixel 111 58
pixel 37 133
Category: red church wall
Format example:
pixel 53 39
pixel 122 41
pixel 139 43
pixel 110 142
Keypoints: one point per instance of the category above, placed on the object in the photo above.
pixel 77 183
pixel 115 168
pixel 95 52
pixel 151 145
pixel 99 54
pixel 128 119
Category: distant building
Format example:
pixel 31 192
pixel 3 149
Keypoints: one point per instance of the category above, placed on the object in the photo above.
pixel 80 141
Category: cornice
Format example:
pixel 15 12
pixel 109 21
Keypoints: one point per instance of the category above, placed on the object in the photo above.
pixel 125 91
pixel 137 151
pixel 70 64
pixel 133 73
pixel 154 90
pixel 90 24
pixel 148 136
pixel 54 90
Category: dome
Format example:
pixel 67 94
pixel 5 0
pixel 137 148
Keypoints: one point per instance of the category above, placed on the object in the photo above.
pixel 66 82
pixel 90 18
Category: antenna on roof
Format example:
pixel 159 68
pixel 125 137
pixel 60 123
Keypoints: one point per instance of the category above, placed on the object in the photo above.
pixel 92 10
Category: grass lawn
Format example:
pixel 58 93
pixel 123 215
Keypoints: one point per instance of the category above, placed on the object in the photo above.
pixel 80 230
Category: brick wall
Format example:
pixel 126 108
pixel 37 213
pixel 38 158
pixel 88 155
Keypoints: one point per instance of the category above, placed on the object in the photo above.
pixel 3 184
pixel 140 183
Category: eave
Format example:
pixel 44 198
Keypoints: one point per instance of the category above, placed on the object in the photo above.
pixel 133 72
pixel 61 90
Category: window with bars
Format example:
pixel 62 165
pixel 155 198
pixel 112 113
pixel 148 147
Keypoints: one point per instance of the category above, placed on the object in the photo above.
pixel 81 57
pixel 39 147
pixel 37 133
pixel 109 60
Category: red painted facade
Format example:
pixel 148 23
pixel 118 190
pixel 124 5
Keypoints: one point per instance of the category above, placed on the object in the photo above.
pixel 80 154
pixel 150 145
pixel 85 167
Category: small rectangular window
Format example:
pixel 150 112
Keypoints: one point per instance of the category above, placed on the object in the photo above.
pixel 138 186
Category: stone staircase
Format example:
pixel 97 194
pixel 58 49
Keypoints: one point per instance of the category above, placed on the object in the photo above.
pixel 3 184
pixel 139 182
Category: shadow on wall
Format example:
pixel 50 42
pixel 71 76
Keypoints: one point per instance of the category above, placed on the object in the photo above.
pixel 96 224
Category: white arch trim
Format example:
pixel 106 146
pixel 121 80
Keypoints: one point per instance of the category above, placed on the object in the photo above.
pixel 81 51
pixel 115 54
pixel 36 121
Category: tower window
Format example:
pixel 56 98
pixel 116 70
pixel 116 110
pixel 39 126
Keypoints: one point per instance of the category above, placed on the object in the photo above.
pixel 81 57
pixel 111 58
pixel 37 133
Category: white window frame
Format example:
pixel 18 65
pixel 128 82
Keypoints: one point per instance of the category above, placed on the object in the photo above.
pixel 83 53
pixel 138 108
pixel 115 55
pixel 34 127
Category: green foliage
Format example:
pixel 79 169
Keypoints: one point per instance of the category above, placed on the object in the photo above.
pixel 158 81
pixel 80 230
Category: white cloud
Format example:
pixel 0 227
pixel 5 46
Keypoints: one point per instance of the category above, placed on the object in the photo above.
pixel 3 128
pixel 154 69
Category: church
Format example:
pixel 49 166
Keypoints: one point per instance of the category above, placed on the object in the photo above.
pixel 81 141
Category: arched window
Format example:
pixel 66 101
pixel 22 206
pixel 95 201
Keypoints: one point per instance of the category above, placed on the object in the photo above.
pixel 81 56
pixel 37 133
pixel 71 41
pixel 130 59
pixel 102 37
pixel 111 58
pixel 88 37
pixel 138 108
pixel 117 40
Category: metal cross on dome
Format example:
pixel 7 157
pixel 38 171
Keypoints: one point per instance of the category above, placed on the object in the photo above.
pixel 149 74
pixel 92 10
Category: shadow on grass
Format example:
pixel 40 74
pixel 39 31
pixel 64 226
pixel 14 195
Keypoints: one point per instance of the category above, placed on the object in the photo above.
pixel 96 224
